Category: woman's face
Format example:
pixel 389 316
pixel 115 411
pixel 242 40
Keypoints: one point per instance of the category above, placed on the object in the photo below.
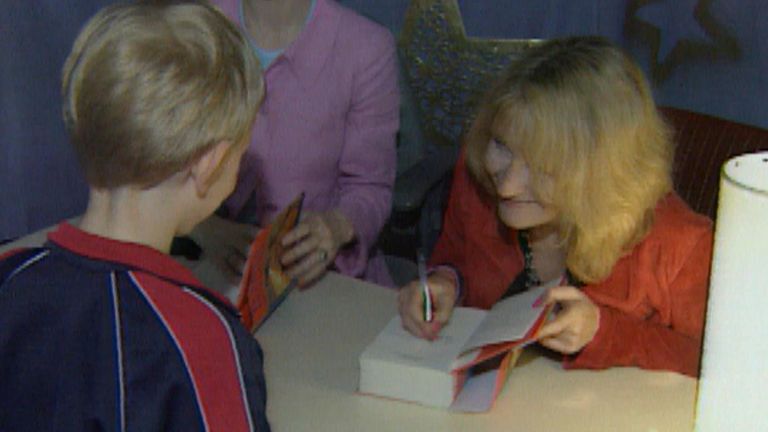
pixel 518 206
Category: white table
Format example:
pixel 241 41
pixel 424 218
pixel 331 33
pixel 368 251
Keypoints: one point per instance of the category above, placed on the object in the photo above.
pixel 313 341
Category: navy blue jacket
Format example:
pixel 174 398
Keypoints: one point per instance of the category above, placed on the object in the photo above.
pixel 102 335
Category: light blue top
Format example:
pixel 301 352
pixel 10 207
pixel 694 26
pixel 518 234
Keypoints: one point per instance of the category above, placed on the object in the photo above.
pixel 266 57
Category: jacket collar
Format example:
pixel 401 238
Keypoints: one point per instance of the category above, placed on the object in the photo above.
pixel 132 255
pixel 310 51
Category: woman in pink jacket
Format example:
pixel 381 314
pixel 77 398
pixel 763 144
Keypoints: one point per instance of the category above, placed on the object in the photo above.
pixel 326 128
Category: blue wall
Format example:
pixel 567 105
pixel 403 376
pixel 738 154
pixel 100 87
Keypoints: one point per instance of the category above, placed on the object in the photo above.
pixel 721 86
pixel 39 179
pixel 40 183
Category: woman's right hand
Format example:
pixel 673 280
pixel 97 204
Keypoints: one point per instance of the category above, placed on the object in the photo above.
pixel 442 286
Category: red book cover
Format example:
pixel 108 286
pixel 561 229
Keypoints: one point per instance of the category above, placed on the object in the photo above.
pixel 265 284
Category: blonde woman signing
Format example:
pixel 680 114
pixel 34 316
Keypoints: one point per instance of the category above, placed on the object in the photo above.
pixel 566 174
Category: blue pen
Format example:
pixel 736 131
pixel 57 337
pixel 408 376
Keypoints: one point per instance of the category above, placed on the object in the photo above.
pixel 426 295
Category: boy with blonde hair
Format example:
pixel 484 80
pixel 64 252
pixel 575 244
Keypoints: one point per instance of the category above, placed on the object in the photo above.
pixel 100 329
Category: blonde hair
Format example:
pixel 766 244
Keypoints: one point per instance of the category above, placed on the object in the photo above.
pixel 580 113
pixel 151 86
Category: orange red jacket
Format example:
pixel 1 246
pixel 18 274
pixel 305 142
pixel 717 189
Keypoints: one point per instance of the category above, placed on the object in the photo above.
pixel 652 305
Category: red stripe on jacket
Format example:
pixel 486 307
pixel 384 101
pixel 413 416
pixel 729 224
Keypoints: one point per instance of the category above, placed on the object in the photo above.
pixel 11 252
pixel 209 352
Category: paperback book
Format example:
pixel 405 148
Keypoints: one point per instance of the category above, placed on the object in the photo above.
pixel 265 284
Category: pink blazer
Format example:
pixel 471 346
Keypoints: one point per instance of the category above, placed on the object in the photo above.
pixel 327 128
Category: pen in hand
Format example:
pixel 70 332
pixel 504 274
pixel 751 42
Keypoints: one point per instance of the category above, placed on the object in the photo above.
pixel 426 295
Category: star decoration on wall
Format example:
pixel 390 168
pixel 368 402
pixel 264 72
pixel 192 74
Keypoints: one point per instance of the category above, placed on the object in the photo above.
pixel 678 31
pixel 448 71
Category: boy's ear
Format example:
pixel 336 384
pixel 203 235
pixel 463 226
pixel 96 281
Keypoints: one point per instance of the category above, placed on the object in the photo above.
pixel 205 169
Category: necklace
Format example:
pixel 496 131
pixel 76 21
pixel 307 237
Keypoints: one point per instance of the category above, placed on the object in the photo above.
pixel 530 275
pixel 527 278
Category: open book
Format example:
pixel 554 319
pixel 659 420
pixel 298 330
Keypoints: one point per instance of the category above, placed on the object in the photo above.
pixel 466 367
pixel 264 284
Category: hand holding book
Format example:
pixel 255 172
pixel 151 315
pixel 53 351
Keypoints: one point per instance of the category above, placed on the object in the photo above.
pixel 576 323
pixel 312 245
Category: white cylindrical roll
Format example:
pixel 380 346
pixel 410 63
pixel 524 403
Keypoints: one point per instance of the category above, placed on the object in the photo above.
pixel 734 376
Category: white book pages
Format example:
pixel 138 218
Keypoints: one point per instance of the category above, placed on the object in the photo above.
pixel 509 319
pixel 396 344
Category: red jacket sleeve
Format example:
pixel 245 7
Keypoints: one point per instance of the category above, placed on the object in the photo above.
pixel 662 327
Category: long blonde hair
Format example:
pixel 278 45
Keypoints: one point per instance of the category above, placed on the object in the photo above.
pixel 582 116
